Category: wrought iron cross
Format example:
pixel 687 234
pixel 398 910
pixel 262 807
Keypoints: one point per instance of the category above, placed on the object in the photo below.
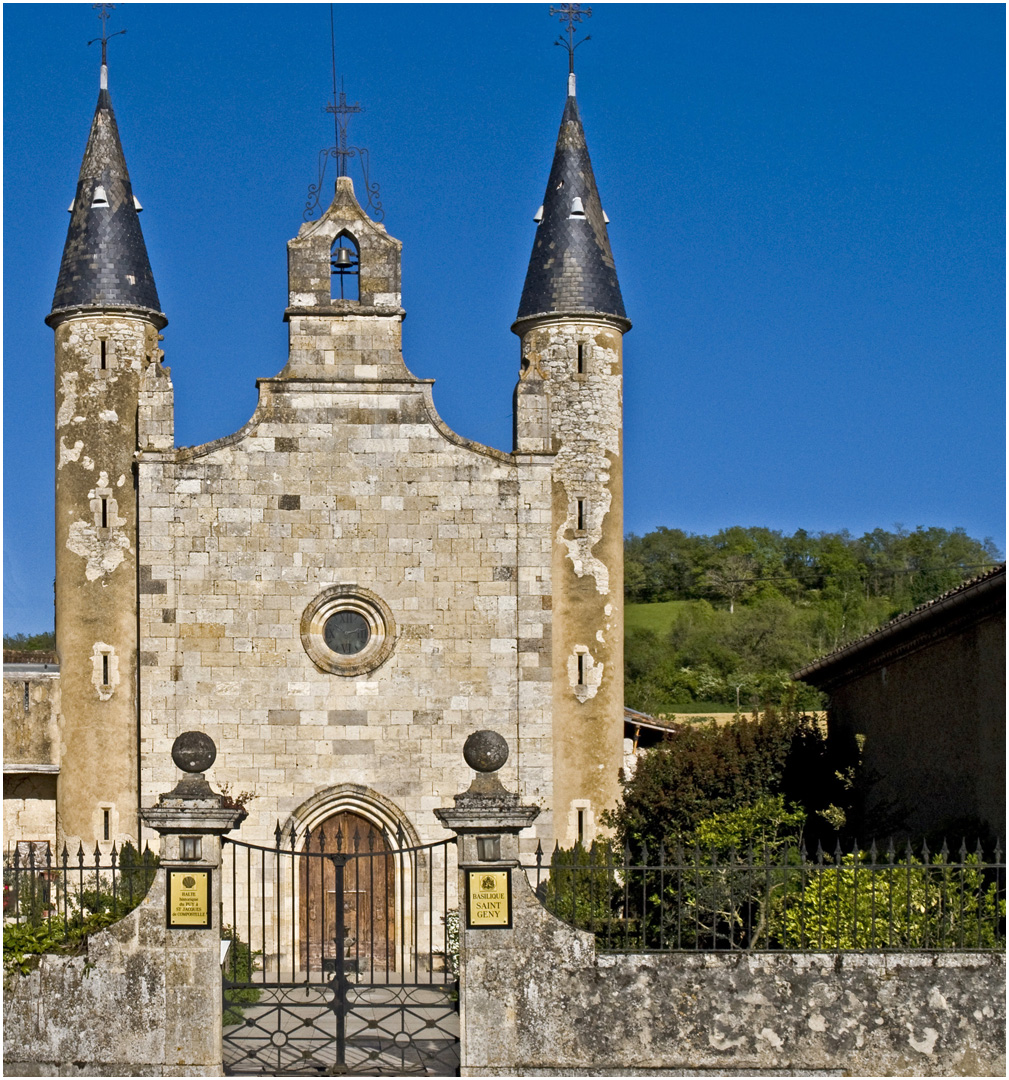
pixel 341 111
pixel 103 14
pixel 571 14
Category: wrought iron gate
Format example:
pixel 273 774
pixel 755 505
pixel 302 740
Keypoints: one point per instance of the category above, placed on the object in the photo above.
pixel 338 955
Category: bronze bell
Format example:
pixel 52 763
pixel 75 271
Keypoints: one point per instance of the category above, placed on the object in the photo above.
pixel 343 259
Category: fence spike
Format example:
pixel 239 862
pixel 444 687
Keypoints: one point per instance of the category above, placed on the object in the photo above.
pixel 339 840
pixel 838 855
pixel 98 853
pixel 357 838
pixel 998 850
pixel 925 852
pixel 944 850
pixel 306 839
pixel 276 832
pixel 963 849
pixel 872 853
pixel 802 849
pixel 891 854
pixel 819 852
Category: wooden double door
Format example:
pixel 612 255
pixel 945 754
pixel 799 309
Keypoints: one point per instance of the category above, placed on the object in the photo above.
pixel 364 891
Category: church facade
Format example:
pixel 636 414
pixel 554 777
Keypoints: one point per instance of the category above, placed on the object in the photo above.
pixel 344 589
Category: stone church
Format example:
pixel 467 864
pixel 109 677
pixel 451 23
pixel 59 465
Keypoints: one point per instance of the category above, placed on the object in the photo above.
pixel 342 590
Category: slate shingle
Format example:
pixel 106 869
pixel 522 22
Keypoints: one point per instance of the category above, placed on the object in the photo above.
pixel 105 263
pixel 571 268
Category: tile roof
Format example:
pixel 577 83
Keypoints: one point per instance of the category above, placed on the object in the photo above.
pixel 904 624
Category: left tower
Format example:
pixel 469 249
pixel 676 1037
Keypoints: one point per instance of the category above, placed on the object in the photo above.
pixel 106 317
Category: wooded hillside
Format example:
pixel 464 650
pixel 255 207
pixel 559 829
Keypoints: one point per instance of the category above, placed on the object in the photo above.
pixel 745 607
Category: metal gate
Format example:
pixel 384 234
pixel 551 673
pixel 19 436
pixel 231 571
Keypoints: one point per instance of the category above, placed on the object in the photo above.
pixel 338 954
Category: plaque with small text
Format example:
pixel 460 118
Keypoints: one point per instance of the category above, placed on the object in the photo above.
pixel 189 900
pixel 488 899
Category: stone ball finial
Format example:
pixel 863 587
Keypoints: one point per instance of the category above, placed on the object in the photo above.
pixel 194 751
pixel 485 751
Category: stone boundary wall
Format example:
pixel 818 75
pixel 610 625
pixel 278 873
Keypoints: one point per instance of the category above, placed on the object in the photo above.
pixel 142 1001
pixel 539 1001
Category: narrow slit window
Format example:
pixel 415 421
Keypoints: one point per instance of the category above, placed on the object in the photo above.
pixel 581 669
pixel 106 824
pixel 105 669
pixel 105 513
pixel 581 358
pixel 581 826
pixel 104 357
pixel 581 515
pixel 28 697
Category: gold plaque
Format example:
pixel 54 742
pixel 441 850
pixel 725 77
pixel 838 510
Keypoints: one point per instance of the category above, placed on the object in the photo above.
pixel 189 899
pixel 488 899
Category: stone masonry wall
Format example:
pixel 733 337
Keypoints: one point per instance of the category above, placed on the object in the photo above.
pixel 135 1004
pixel 538 1001
pixel 344 483
pixel 336 484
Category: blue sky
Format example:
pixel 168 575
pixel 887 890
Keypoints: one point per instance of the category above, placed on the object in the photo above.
pixel 807 216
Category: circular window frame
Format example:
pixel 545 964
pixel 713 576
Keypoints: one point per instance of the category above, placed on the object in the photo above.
pixel 373 609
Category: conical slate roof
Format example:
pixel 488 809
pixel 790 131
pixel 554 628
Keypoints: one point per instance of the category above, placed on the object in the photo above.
pixel 571 269
pixel 105 263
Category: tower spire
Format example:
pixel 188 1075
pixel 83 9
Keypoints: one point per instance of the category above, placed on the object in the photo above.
pixel 105 263
pixel 571 269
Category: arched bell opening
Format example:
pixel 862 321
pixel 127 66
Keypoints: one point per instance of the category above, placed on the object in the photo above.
pixel 345 268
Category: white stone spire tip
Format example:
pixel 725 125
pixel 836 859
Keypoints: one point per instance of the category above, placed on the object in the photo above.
pixel 103 78
pixel 571 84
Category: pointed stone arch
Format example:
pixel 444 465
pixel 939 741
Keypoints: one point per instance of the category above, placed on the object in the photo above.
pixel 358 799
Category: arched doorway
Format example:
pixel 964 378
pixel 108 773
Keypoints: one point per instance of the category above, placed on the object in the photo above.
pixel 367 897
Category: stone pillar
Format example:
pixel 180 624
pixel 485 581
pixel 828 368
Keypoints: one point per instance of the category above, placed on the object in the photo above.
pixel 191 821
pixel 487 820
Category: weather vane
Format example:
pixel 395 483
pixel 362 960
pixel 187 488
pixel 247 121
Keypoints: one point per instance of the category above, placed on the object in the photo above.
pixel 341 111
pixel 571 14
pixel 103 13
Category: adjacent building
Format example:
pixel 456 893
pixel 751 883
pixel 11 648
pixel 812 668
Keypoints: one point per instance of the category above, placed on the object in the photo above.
pixel 922 701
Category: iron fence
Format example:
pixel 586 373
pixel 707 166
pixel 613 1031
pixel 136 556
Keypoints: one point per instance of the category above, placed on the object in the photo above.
pixel 777 897
pixel 70 893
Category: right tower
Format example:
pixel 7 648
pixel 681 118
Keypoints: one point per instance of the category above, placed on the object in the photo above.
pixel 568 401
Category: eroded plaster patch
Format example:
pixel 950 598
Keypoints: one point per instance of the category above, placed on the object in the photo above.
pixel 109 416
pixel 69 453
pixel 68 406
pixel 103 554
pixel 925 1045
pixel 580 542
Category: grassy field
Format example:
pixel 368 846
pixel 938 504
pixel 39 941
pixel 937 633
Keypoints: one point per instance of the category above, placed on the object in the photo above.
pixel 657 617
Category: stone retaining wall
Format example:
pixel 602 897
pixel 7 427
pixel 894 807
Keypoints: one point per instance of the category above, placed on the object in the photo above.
pixel 142 1001
pixel 538 1000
